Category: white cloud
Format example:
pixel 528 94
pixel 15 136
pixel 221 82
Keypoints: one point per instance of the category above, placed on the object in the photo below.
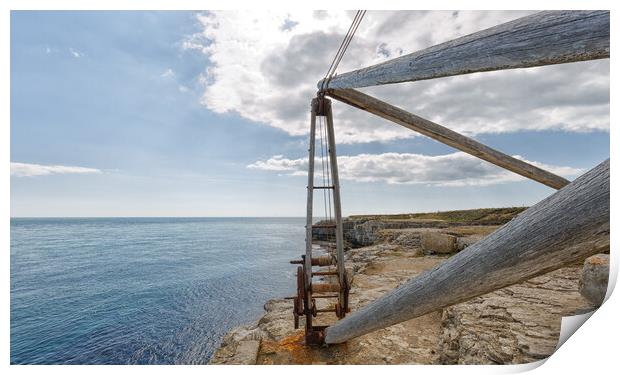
pixel 456 169
pixel 30 170
pixel 265 65
pixel 168 73
pixel 75 53
pixel 279 163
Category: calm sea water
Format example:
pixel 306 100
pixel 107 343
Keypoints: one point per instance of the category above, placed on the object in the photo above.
pixel 142 290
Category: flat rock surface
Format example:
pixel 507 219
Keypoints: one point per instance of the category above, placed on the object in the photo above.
pixel 516 324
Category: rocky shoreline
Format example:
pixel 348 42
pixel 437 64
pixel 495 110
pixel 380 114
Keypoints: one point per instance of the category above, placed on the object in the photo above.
pixel 516 324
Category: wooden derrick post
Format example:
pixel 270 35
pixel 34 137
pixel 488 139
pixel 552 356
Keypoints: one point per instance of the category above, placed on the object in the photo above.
pixel 309 206
pixel 568 226
pixel 343 299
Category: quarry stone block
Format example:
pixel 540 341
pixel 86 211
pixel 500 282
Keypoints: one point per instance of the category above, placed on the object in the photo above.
pixel 438 243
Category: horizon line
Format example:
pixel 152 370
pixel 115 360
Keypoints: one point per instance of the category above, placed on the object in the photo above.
pixel 148 217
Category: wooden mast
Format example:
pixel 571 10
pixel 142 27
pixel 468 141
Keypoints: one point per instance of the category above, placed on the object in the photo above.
pixel 309 206
pixel 331 140
pixel 307 291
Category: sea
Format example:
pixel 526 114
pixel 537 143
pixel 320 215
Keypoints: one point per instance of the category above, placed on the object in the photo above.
pixel 142 290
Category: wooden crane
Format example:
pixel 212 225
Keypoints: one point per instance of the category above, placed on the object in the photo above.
pixel 568 226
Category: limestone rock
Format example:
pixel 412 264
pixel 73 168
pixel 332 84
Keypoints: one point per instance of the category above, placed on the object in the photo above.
pixel 408 239
pixel 463 242
pixel 247 351
pixel 239 347
pixel 516 324
pixel 364 234
pixel 594 278
pixel 437 243
pixel 276 323
pixel 367 232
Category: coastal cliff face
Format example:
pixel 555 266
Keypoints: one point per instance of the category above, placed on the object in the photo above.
pixel 517 324
pixel 365 230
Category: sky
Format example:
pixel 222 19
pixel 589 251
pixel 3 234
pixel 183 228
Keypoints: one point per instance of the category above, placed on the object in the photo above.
pixel 180 113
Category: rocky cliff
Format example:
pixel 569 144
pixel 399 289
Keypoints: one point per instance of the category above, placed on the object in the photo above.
pixel 365 230
pixel 517 324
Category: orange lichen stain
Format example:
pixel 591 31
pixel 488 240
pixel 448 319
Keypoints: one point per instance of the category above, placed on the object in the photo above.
pixel 597 260
pixel 294 348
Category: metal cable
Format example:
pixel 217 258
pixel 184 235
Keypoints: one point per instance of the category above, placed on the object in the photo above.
pixel 323 165
pixel 329 171
pixel 329 70
pixel 325 151
pixel 356 25
pixel 359 15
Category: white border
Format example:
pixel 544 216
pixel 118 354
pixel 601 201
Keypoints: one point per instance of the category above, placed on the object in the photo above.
pixel 591 349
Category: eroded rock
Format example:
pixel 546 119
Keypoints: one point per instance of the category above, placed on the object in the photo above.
pixel 239 347
pixel 437 243
pixel 594 278
pixel 517 324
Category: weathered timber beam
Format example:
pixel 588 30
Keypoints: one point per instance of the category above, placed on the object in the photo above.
pixel 566 227
pixel 545 38
pixel 446 136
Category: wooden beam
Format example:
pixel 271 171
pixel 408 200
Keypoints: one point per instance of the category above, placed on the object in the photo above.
pixel 568 226
pixel 446 136
pixel 333 162
pixel 314 106
pixel 545 38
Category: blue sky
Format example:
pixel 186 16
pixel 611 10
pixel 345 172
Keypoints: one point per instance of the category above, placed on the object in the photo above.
pixel 162 114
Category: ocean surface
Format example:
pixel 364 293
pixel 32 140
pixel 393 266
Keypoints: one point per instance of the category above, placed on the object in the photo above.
pixel 142 290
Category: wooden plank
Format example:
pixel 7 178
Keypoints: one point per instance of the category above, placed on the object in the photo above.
pixel 568 226
pixel 446 136
pixel 545 38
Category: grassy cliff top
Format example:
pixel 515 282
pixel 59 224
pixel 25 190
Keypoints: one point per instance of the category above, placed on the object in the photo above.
pixel 475 216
